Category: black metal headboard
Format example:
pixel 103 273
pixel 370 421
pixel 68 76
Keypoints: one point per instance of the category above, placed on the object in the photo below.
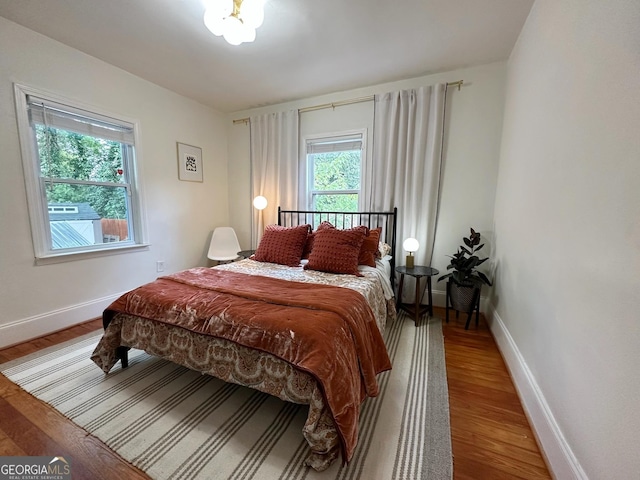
pixel 385 220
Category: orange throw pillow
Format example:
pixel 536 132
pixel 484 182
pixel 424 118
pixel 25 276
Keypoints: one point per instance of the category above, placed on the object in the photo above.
pixel 283 245
pixel 370 248
pixel 336 251
pixel 308 246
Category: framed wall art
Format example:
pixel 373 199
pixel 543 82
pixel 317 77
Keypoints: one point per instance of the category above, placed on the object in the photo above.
pixel 189 163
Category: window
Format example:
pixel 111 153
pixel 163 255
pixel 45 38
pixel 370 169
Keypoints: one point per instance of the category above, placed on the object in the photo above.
pixel 80 175
pixel 334 166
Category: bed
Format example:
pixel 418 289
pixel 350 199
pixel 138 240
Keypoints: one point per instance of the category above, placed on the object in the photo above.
pixel 295 320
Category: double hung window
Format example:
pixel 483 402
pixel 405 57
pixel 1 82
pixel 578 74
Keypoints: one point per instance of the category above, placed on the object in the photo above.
pixel 334 166
pixel 80 176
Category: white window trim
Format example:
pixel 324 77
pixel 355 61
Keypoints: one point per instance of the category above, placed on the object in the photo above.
pixel 308 196
pixel 36 199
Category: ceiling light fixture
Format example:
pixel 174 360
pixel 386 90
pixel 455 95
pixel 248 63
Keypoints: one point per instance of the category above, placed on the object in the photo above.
pixel 235 20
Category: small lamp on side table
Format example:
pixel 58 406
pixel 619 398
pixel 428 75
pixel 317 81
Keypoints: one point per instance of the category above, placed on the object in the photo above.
pixel 410 245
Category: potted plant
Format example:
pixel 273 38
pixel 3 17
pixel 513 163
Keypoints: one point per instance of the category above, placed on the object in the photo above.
pixel 465 281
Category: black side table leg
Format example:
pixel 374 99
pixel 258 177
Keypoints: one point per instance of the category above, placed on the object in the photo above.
pixel 417 302
pixel 399 298
pixel 430 296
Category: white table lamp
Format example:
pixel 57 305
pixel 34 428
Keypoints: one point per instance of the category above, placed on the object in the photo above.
pixel 410 245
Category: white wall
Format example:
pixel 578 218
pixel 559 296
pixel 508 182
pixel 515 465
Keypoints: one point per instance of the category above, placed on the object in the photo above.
pixel 474 124
pixel 567 231
pixel 35 300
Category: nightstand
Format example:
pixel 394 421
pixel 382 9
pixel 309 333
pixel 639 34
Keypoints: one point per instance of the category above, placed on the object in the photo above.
pixel 416 309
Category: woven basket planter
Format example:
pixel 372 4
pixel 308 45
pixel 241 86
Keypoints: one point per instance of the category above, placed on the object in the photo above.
pixel 462 298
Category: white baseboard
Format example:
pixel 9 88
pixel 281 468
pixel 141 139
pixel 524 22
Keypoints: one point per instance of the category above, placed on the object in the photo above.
pixel 33 327
pixel 439 298
pixel 558 454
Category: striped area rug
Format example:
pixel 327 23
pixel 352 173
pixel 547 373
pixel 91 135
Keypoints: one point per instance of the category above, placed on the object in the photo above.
pixel 174 423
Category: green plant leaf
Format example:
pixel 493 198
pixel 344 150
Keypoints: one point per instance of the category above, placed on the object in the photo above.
pixel 464 263
pixel 472 262
pixel 484 278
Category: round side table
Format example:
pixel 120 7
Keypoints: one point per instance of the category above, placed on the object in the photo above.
pixel 416 309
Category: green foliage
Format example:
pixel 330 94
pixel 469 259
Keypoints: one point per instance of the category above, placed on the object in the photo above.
pixel 337 202
pixel 464 263
pixel 337 170
pixel 69 155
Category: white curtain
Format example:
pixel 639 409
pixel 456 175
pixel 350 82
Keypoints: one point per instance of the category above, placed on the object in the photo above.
pixel 274 167
pixel 406 165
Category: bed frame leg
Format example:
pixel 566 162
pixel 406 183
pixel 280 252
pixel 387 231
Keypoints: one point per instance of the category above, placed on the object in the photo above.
pixel 123 354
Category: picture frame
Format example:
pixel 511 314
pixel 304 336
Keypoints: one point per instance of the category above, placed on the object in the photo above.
pixel 189 163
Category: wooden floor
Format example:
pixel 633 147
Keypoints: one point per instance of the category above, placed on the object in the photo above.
pixel 490 435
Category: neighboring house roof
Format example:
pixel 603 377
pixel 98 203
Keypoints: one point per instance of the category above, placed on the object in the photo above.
pixel 63 235
pixel 71 211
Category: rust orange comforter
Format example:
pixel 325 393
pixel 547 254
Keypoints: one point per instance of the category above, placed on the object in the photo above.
pixel 329 332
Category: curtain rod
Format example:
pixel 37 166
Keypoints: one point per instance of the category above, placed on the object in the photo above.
pixel 344 102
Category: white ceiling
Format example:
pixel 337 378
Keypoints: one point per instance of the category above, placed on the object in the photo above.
pixel 304 48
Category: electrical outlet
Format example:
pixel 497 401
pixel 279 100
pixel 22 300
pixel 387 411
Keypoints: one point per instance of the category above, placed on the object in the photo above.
pixel 160 266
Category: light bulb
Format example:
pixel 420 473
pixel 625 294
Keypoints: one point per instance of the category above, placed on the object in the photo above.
pixel 233 31
pixel 252 13
pixel 260 202
pixel 410 245
pixel 219 8
pixel 248 34
pixel 214 22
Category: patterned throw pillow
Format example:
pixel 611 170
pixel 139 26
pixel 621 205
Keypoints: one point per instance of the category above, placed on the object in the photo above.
pixel 384 249
pixel 336 251
pixel 369 250
pixel 282 245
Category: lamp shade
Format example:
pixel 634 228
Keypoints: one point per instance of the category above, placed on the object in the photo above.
pixel 260 202
pixel 411 245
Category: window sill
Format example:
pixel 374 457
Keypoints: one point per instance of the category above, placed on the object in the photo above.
pixel 82 255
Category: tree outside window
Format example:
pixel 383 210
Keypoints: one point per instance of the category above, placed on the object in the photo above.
pixel 80 176
pixel 335 169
